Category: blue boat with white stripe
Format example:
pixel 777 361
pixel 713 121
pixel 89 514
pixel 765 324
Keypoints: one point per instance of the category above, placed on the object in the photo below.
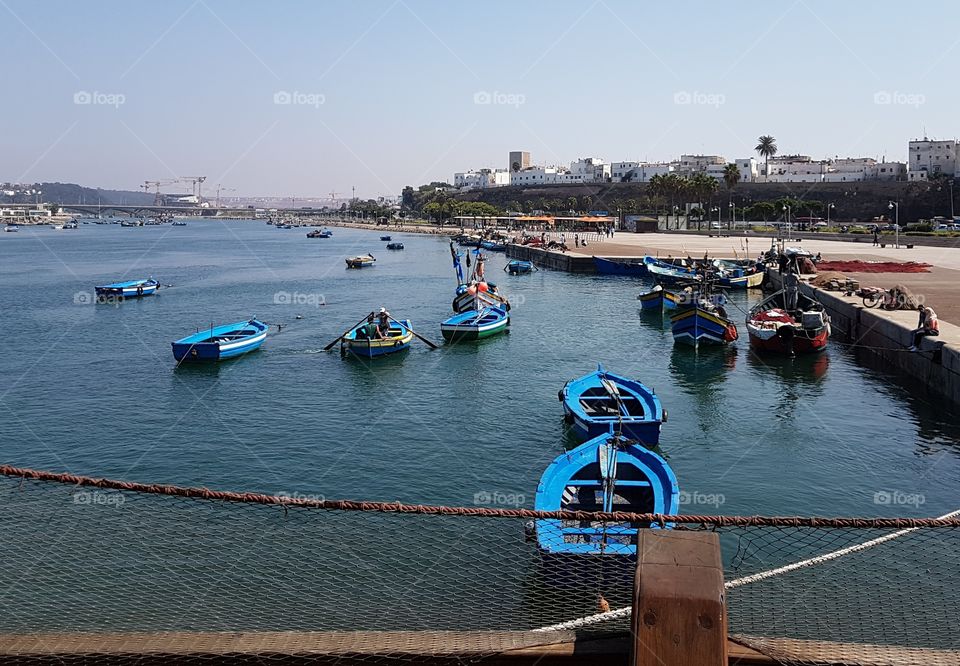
pixel 608 473
pixel 220 342
pixel 596 403
pixel 129 289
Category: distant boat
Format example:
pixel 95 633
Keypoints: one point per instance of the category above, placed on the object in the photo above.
pixel 394 246
pixel 659 299
pixel 475 324
pixel 385 238
pixel 71 225
pixel 56 227
pixel 602 402
pixel 316 233
pixel 607 473
pixel 804 330
pixel 179 223
pixel 612 267
pixel 131 223
pixel 398 338
pixel 667 272
pixel 360 261
pixel 700 323
pixel 11 228
pixel 518 267
pixel 129 289
pixel 220 342
pixel 492 246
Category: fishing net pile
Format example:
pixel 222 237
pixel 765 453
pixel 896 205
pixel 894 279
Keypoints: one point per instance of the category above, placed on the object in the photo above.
pixel 92 571
pixel 858 266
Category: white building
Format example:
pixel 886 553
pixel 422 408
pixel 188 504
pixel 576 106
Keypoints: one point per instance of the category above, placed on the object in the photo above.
pixel 927 157
pixel 535 176
pixel 691 164
pixel 638 172
pixel 481 179
pixel 749 169
pixel 589 170
pixel 794 169
pixel 862 168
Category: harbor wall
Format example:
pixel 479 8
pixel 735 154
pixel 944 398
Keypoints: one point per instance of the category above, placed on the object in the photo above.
pixel 554 260
pixel 886 336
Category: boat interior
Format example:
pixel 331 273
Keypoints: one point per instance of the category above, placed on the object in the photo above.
pixel 598 404
pixel 629 490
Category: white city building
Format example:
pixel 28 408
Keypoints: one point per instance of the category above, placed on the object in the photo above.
pixel 691 164
pixel 481 179
pixel 862 168
pixel 794 169
pixel 638 172
pixel 927 157
pixel 535 175
pixel 749 169
pixel 589 170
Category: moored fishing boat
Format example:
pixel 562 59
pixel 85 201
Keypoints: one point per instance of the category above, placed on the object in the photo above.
pixel 667 272
pixel 386 238
pixel 803 330
pixel 475 324
pixel 518 267
pixel 608 473
pixel 178 223
pixel 659 299
pixel 466 299
pixel 492 246
pixel 394 246
pixel 625 267
pixel 364 341
pixel 128 289
pixel 220 342
pixel 360 261
pixel 11 228
pixel 738 274
pixel 317 233
pixel 602 402
pixel 701 322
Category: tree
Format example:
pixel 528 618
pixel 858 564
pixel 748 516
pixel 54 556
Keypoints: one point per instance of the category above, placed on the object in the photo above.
pixel 731 176
pixel 767 147
pixel 406 197
pixel 762 209
pixel 571 203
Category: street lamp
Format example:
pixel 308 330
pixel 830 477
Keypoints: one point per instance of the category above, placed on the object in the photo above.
pixel 786 210
pixel 895 206
pixel 716 209
pixel 829 208
pixel 733 214
pixel 952 216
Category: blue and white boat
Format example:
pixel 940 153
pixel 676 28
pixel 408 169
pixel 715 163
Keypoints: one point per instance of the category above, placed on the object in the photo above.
pixel 178 223
pixel 669 273
pixel 612 267
pixel 607 473
pixel 475 324
pixel 603 402
pixel 492 246
pixel 220 342
pixel 11 228
pixel 518 267
pixel 128 289
pixel 700 323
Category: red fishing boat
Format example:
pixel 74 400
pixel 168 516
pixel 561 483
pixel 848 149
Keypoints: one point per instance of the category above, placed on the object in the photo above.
pixel 801 330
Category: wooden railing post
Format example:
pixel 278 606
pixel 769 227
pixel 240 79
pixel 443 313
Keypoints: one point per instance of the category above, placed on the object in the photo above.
pixel 679 610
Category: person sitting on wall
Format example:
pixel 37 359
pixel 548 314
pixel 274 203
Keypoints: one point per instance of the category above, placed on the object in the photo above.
pixel 929 325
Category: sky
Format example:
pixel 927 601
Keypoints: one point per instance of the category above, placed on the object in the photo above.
pixel 308 98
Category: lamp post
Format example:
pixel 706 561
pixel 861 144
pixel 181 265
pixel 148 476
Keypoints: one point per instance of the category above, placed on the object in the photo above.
pixel 952 216
pixel 786 209
pixel 829 208
pixel 895 206
pixel 733 215
pixel 716 209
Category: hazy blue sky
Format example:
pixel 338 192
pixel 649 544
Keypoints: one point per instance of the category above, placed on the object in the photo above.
pixel 388 89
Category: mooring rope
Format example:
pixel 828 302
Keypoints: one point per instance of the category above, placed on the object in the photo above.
pixel 625 612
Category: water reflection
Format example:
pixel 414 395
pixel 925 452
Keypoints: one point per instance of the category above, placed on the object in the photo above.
pixel 797 378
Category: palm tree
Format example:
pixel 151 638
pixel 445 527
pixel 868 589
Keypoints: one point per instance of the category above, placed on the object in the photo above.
pixel 731 175
pixel 767 147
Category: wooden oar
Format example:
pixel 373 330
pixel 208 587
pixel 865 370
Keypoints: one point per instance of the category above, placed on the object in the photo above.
pixel 330 346
pixel 417 335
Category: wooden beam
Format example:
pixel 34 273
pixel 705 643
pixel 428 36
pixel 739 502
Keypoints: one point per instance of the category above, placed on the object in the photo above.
pixel 679 614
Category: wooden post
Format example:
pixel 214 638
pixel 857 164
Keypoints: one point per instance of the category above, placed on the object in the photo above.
pixel 679 611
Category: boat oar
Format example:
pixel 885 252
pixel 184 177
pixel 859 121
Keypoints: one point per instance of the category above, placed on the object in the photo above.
pixel 330 346
pixel 417 335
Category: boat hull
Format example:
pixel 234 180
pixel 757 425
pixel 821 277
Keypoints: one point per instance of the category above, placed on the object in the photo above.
pixel 475 325
pixel 360 262
pixel 132 289
pixel 589 409
pixel 465 301
pixel 773 329
pixel 611 267
pixel 791 344
pixel 204 347
pixel 651 301
pixel 695 326
pixel 518 267
pixel 399 339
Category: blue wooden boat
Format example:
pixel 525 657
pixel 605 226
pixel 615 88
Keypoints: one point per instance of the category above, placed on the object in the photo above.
pixel 316 233
pixel 518 267
pixel 659 299
pixel 385 238
pixel 667 272
pixel 611 267
pixel 360 343
pixel 700 323
pixel 492 246
pixel 394 246
pixel 600 401
pixel 607 473
pixel 178 223
pixel 219 342
pixel 475 324
pixel 464 300
pixel 129 289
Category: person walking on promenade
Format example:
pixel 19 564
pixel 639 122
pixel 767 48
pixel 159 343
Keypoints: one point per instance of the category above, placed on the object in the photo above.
pixel 876 236
pixel 929 325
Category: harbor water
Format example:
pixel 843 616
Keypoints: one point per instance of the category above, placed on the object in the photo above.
pixel 92 388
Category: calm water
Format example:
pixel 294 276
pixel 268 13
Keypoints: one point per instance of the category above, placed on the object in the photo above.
pixel 92 388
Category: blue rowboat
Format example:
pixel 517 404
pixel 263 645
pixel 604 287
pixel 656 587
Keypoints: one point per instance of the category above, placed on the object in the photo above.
pixel 601 400
pixel 611 267
pixel 517 267
pixel 464 300
pixel 659 299
pixel 394 246
pixel 668 273
pixel 608 473
pixel 475 324
pixel 492 246
pixel 129 289
pixel 219 342
pixel 360 343
pixel 699 324
pixel 385 238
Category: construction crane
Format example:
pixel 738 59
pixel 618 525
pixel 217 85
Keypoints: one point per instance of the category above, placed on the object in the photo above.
pixel 196 186
pixel 158 198
pixel 334 195
pixel 220 189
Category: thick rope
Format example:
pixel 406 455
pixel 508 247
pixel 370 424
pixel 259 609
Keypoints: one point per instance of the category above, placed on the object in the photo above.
pixel 626 611
pixel 397 507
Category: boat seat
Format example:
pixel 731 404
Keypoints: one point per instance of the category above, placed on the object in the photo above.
pixel 587 483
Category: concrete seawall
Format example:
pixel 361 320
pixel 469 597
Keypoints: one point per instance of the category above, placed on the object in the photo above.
pixel 555 260
pixel 885 335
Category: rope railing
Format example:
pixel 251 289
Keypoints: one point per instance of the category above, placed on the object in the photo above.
pixel 398 507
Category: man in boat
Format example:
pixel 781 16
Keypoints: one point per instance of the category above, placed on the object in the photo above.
pixel 791 289
pixel 383 323
pixel 369 330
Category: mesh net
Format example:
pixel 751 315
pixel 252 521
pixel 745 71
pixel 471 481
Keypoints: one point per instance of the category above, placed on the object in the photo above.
pixel 88 570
